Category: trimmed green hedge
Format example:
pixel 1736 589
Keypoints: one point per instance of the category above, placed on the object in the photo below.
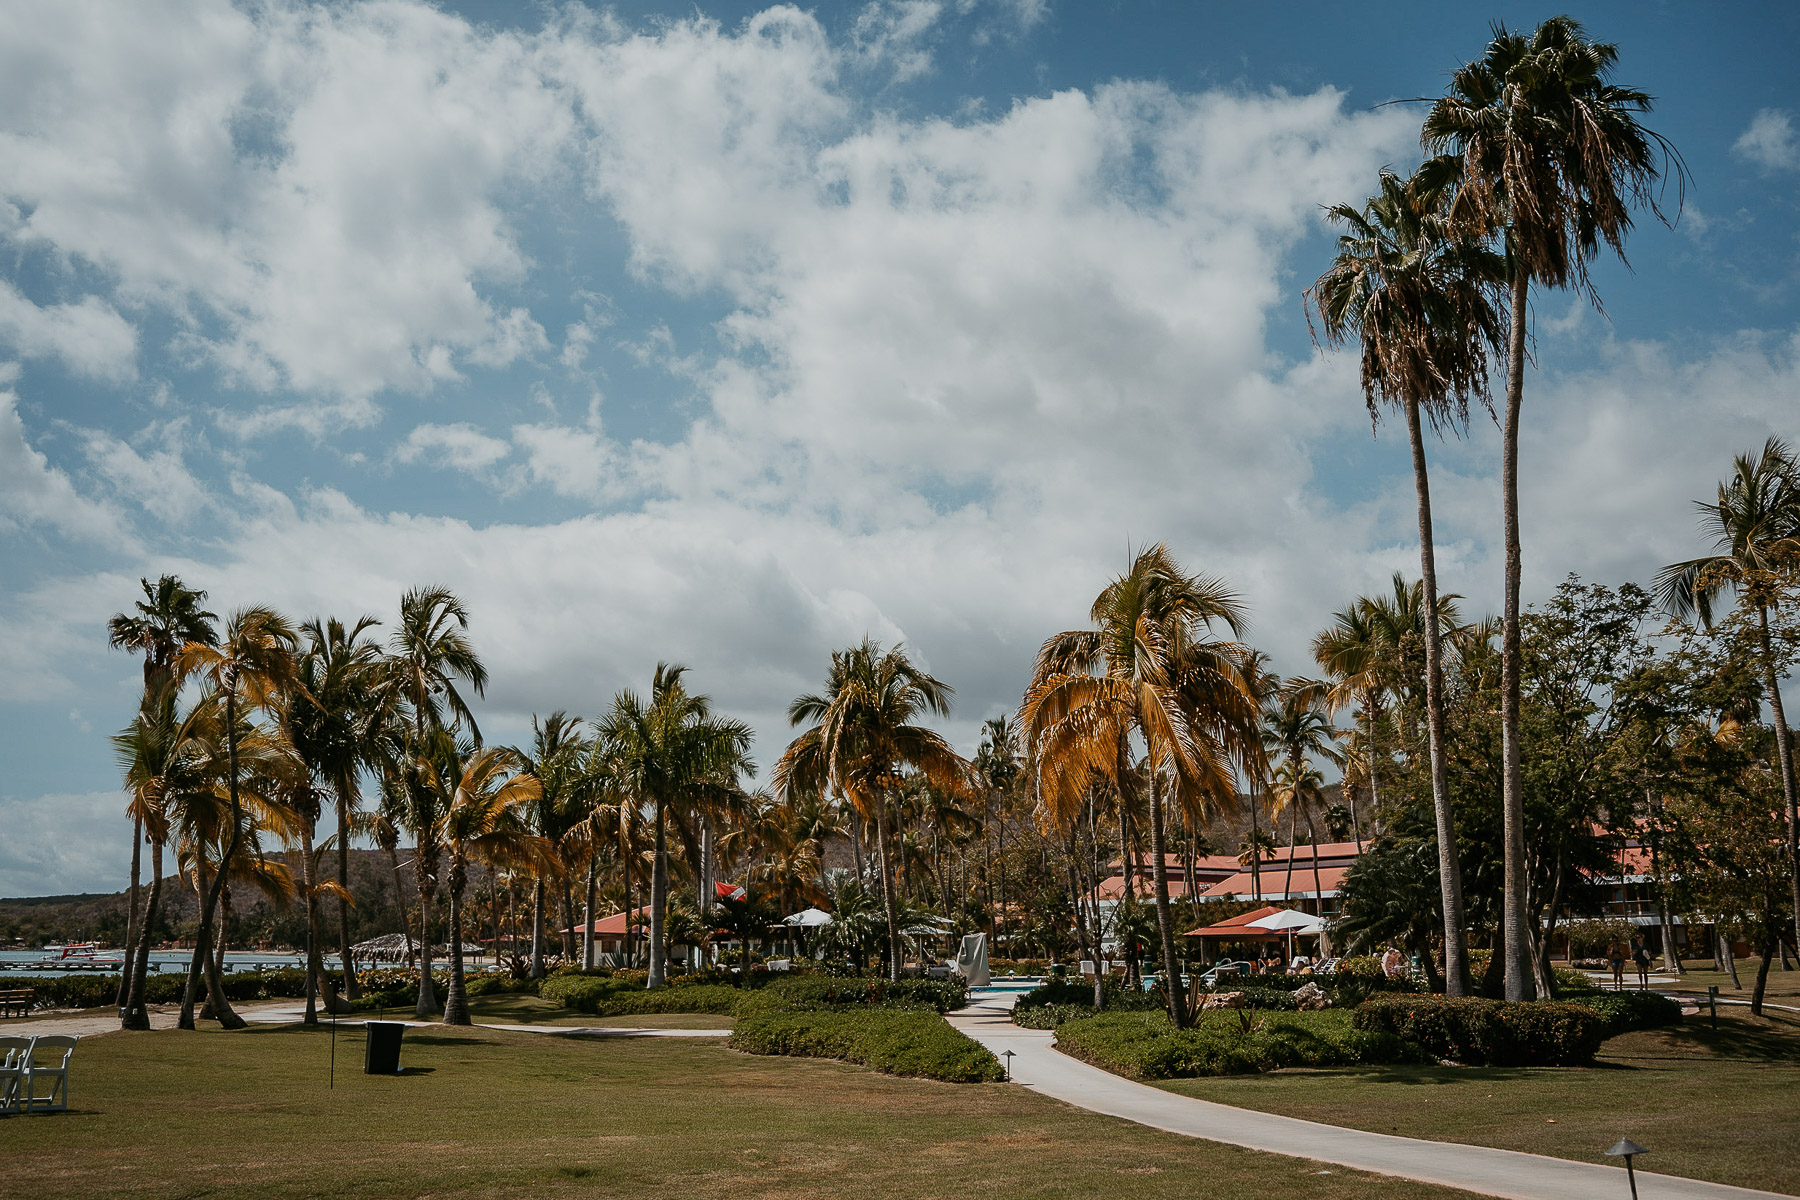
pixel 613 997
pixel 1625 1011
pixel 938 995
pixel 1145 1045
pixel 1494 1033
pixel 896 1041
pixel 97 991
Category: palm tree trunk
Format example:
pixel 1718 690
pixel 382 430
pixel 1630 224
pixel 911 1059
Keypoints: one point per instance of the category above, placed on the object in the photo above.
pixel 587 916
pixel 1515 935
pixel 203 960
pixel 1312 836
pixel 1164 919
pixel 888 898
pixel 659 898
pixel 131 920
pixel 351 988
pixel 1287 884
pixel 314 968
pixel 1456 959
pixel 1785 755
pixel 568 925
pixel 456 1000
pixel 135 1016
pixel 537 923
pixel 406 923
pixel 1255 847
pixel 427 1006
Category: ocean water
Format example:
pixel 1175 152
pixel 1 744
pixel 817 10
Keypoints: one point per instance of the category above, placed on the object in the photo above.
pixel 24 962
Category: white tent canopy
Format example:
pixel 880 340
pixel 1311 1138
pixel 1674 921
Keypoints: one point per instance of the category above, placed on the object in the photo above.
pixel 810 918
pixel 1289 920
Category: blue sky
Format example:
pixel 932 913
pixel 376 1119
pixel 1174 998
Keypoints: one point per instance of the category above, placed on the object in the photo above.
pixel 727 334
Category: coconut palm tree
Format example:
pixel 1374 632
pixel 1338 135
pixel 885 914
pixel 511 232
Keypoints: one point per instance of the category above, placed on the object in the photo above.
pixel 1296 730
pixel 1755 523
pixel 167 618
pixel 1149 668
pixel 668 749
pixel 862 736
pixel 1419 294
pixel 1263 686
pixel 1351 654
pixel 478 793
pixel 1547 155
pixel 252 667
pixel 567 766
pixel 429 652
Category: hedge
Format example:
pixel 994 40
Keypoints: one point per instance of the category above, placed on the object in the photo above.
pixel 1147 1046
pixel 1625 1011
pixel 165 987
pixel 1496 1033
pixel 612 997
pixel 895 1041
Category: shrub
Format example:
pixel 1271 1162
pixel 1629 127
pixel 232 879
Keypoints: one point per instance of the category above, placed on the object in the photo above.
pixel 938 995
pixel 1148 1046
pixel 493 985
pixel 611 997
pixel 1592 937
pixel 897 1042
pixel 1268 998
pixel 1366 965
pixel 1570 982
pixel 1622 1012
pixel 1488 1032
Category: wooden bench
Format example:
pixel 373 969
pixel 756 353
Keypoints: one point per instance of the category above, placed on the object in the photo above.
pixel 17 1002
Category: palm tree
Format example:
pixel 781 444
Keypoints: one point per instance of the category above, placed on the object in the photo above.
pixel 1297 730
pixel 862 736
pixel 668 750
pixel 330 722
pixel 1549 156
pixel 1149 668
pixel 1420 297
pixel 478 795
pixel 429 652
pixel 252 667
pixel 997 763
pixel 1263 685
pixel 167 618
pixel 566 765
pixel 1351 654
pixel 1755 524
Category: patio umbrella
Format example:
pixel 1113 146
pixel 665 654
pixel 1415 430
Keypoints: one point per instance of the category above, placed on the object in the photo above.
pixel 1289 921
pixel 810 918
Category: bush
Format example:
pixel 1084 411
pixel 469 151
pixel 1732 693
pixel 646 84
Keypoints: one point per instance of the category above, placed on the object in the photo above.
pixel 1624 1011
pixel 938 995
pixel 1494 1033
pixel 1365 965
pixel 894 1041
pixel 493 985
pixel 1148 1046
pixel 1592 937
pixel 1572 983
pixel 613 997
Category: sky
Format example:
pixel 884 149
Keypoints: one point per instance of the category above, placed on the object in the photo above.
pixel 728 334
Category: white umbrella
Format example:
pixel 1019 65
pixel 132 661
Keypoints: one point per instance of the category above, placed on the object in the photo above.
pixel 810 918
pixel 1288 920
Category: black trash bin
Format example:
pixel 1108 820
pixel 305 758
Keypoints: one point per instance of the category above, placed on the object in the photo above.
pixel 381 1056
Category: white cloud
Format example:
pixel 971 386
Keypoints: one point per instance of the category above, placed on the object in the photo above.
pixel 64 844
pixel 157 477
pixel 460 446
pixel 38 497
pixel 89 337
pixel 1769 142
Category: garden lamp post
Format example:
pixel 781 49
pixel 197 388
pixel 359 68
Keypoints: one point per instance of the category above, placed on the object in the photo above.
pixel 1009 1058
pixel 1625 1148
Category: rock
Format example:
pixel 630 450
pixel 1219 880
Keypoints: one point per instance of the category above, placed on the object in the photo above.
pixel 1311 998
pixel 1224 1000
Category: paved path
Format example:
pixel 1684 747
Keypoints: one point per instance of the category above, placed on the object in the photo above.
pixel 1038 1065
pixel 164 1016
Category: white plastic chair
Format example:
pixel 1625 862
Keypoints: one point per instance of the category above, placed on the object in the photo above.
pixel 38 1065
pixel 13 1052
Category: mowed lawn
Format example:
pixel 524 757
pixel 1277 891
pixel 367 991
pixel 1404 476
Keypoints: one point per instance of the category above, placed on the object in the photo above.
pixel 1719 1106
pixel 491 1113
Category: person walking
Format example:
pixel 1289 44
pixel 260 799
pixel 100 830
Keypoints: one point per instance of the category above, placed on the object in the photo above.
pixel 1640 954
pixel 1615 954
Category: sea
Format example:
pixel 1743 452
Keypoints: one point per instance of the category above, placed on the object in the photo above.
pixel 36 962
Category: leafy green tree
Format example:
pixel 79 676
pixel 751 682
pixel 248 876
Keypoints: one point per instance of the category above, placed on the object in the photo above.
pixel 1755 523
pixel 1546 154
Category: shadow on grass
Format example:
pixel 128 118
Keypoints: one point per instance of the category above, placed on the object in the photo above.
pixel 434 1039
pixel 1736 1040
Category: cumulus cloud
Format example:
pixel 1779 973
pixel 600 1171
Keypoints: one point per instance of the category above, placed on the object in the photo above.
pixel 90 337
pixel 38 498
pixel 460 446
pixel 1769 142
pixel 63 844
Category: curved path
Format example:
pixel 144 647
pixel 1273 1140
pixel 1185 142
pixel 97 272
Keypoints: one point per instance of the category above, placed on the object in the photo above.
pixel 1037 1064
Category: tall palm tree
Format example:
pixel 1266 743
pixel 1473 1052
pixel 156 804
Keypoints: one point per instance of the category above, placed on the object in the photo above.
pixel 167 618
pixel 861 736
pixel 565 763
pixel 429 652
pixel 1546 154
pixel 251 668
pixel 668 749
pixel 1350 652
pixel 1755 523
pixel 1297 730
pixel 997 763
pixel 1419 295
pixel 479 792
pixel 1263 686
pixel 1150 668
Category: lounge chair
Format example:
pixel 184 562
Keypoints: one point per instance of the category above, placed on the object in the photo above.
pixel 13 1052
pixel 43 1061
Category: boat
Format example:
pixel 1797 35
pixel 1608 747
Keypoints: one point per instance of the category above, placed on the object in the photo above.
pixel 78 956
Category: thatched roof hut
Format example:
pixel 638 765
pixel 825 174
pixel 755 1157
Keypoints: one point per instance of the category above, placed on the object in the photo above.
pixel 389 947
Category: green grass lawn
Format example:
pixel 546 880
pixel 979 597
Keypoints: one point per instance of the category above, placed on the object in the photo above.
pixel 1716 1106
pixel 519 1009
pixel 1783 988
pixel 491 1113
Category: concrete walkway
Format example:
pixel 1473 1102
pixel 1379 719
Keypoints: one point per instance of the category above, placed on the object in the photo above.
pixel 1036 1064
pixel 162 1016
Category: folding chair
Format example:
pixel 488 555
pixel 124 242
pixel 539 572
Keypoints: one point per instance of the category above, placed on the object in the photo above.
pixel 13 1052
pixel 38 1062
